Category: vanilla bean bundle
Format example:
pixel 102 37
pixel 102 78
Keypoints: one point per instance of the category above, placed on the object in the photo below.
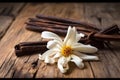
pixel 93 35
pixel 60 25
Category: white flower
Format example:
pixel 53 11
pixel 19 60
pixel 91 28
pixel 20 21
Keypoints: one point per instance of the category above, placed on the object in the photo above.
pixel 68 50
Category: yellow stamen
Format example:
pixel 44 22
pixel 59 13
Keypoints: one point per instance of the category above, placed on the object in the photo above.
pixel 66 51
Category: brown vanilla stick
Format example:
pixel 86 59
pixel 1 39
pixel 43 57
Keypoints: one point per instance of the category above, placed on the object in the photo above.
pixel 63 33
pixel 39 24
pixel 33 43
pixel 41 29
pixel 111 30
pixel 29 48
pixel 53 23
pixel 49 22
pixel 100 43
pixel 68 21
pixel 107 37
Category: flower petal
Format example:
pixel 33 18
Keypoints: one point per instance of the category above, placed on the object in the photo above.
pixel 72 38
pixel 53 43
pixel 69 32
pixel 40 56
pixel 63 64
pixel 49 60
pixel 48 52
pixel 86 57
pixel 77 61
pixel 85 48
pixel 50 35
pixel 78 36
pixel 57 55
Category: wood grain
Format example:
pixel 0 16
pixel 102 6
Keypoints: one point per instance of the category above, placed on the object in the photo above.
pixel 99 14
pixel 5 22
pixel 108 66
pixel 8 12
pixel 10 9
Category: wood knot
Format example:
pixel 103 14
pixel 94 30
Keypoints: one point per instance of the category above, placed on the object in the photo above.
pixel 34 64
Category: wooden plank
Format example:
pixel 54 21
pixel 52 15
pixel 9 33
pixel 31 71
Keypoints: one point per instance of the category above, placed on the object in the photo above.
pixel 8 11
pixel 115 13
pixel 11 9
pixel 115 56
pixel 5 22
pixel 92 15
pixel 14 67
pixel 109 64
pixel 19 34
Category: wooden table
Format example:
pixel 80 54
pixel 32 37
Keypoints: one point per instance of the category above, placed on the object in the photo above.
pixel 12 31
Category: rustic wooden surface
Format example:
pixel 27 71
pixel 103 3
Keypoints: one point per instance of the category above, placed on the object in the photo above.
pixel 12 31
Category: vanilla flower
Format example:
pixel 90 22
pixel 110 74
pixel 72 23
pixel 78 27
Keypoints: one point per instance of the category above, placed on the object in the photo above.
pixel 64 51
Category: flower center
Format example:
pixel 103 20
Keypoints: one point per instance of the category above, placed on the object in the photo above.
pixel 66 51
